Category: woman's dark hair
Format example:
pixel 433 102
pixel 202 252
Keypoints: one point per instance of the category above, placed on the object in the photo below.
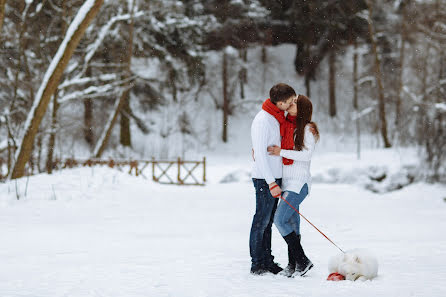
pixel 304 113
pixel 281 92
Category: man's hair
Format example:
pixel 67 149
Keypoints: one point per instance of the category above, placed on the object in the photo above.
pixel 281 92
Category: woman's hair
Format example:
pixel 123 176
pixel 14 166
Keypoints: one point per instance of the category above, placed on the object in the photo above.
pixel 304 113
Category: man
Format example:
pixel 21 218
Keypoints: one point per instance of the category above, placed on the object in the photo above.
pixel 266 176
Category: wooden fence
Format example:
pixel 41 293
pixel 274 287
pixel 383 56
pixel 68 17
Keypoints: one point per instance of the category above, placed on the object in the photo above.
pixel 178 172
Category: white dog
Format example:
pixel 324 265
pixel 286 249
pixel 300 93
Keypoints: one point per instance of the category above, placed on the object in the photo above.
pixel 357 264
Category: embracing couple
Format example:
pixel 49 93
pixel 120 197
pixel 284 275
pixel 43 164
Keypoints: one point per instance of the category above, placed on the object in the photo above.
pixel 282 149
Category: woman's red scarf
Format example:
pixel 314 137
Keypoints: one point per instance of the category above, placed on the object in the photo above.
pixel 287 127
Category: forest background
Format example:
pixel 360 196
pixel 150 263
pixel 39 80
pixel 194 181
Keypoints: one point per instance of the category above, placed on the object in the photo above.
pixel 141 79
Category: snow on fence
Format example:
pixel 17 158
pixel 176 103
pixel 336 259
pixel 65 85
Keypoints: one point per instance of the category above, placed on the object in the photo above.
pixel 178 172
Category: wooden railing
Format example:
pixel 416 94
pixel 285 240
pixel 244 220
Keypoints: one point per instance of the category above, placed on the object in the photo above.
pixel 179 172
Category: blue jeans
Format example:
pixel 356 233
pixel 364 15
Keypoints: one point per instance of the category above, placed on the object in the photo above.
pixel 286 219
pixel 260 236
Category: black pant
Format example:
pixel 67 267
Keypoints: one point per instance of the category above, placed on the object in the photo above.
pixel 260 236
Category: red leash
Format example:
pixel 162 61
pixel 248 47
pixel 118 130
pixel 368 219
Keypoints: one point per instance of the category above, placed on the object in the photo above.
pixel 311 223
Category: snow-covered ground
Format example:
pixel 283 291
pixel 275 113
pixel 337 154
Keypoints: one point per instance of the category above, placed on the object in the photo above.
pixel 101 232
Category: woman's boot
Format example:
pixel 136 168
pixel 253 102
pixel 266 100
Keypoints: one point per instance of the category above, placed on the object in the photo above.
pixel 289 270
pixel 303 264
pixel 296 254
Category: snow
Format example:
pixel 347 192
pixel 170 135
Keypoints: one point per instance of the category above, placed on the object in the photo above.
pixel 101 232
pixel 231 51
pixel 39 7
pixel 85 80
pixel 364 112
pixel 440 106
pixel 103 33
pixel 91 91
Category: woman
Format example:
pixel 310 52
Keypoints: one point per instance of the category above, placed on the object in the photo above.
pixel 296 181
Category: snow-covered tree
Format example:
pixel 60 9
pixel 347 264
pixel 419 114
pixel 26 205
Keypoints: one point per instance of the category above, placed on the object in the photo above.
pixel 51 81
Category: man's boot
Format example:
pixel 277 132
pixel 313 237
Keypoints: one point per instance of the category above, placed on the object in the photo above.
pixel 273 267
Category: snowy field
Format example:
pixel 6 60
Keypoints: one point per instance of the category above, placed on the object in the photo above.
pixel 101 232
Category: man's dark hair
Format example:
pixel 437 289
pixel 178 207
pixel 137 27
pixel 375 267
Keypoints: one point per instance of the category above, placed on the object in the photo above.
pixel 281 92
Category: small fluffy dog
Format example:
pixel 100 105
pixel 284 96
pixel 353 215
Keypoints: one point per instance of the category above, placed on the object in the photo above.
pixel 357 264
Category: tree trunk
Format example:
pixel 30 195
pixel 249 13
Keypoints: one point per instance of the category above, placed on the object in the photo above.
pixel 400 82
pixel 307 70
pixel 52 140
pixel 243 74
pixel 39 151
pixel 125 136
pixel 2 14
pixel 102 142
pixel 88 116
pixel 173 84
pixel 308 85
pixel 355 98
pixel 355 75
pixel 264 60
pixel 11 144
pixel 88 121
pixel 225 97
pixel 332 83
pixel 51 81
pixel 22 56
pixel 423 122
pixel 378 76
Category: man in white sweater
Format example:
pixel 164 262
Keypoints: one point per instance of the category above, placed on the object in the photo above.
pixel 266 176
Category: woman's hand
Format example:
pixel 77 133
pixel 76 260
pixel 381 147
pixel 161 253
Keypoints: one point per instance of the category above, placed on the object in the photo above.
pixel 312 128
pixel 274 150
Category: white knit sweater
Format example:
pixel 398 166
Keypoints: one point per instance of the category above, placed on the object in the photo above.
pixel 265 131
pixel 297 174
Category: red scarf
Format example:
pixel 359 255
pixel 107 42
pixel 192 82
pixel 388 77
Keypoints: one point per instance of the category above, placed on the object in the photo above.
pixel 287 127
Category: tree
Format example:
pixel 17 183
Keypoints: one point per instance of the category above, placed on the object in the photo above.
pixel 51 80
pixel 332 83
pixel 243 73
pixel 245 13
pixel 429 99
pixel 355 97
pixel 378 77
pixel 317 28
pixel 102 142
pixel 125 136
pixel 52 138
pixel 225 96
pixel 2 14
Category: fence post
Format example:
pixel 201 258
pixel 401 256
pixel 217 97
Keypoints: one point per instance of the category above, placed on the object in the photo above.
pixel 153 169
pixel 204 169
pixel 179 172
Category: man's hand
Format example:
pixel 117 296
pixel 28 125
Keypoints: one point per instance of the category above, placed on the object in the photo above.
pixel 275 190
pixel 274 150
